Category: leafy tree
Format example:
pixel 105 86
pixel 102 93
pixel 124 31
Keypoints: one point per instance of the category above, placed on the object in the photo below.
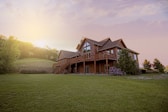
pixel 8 54
pixel 52 54
pixel 126 63
pixel 158 65
pixel 26 49
pixel 166 69
pixel 147 64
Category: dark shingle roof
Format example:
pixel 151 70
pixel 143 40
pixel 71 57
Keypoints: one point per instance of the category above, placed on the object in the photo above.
pixel 111 44
pixel 103 45
pixel 67 54
pixel 102 42
pixel 93 42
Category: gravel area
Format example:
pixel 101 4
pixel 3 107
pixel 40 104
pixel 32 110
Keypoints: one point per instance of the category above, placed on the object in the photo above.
pixel 161 76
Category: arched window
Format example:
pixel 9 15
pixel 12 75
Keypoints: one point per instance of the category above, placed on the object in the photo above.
pixel 86 47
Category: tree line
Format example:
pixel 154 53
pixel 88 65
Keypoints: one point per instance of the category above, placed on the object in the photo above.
pixel 12 49
pixel 157 65
pixel 128 65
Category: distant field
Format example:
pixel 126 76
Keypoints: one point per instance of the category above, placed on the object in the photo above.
pixel 83 93
pixel 29 65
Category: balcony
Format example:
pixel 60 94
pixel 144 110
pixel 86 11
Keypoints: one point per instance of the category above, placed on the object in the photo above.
pixel 96 57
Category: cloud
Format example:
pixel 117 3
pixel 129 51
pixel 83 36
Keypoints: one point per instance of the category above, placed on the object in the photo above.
pixel 106 12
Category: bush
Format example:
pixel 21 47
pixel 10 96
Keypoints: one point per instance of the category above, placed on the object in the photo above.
pixel 116 71
pixel 33 71
pixel 143 71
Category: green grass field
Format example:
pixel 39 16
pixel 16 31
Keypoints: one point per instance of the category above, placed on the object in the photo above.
pixel 34 65
pixel 82 93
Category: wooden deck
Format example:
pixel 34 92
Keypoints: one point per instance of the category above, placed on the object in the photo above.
pixel 86 58
pixel 61 65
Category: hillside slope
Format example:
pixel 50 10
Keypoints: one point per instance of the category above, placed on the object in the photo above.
pixel 34 65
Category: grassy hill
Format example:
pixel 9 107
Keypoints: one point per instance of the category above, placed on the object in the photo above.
pixel 34 65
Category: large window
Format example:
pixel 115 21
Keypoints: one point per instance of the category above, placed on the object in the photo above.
pixel 112 51
pixel 109 52
pixel 86 47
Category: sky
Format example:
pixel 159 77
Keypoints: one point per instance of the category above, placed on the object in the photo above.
pixel 61 24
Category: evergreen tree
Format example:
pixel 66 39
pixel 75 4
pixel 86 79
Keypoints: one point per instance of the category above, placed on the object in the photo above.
pixel 147 64
pixel 126 63
pixel 158 65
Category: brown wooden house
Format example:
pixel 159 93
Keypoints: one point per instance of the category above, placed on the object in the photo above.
pixel 91 57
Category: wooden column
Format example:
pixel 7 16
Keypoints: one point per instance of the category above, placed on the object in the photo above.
pixel 107 71
pixel 84 67
pixel 76 67
pixel 70 69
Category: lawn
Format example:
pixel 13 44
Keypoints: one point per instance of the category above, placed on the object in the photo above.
pixel 82 93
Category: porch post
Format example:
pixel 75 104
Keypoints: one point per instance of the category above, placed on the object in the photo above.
pixel 76 67
pixel 107 71
pixel 84 67
pixel 70 69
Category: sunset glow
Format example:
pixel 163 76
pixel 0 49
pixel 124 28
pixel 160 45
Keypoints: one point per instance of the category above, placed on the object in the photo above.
pixel 41 44
pixel 142 24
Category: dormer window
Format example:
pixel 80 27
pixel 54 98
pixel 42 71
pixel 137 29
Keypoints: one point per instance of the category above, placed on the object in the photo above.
pixel 86 47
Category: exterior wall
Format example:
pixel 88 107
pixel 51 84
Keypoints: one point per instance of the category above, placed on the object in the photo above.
pixel 89 66
pixel 80 68
pixel 101 66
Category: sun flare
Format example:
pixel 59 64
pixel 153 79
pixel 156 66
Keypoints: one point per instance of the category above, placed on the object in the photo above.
pixel 41 44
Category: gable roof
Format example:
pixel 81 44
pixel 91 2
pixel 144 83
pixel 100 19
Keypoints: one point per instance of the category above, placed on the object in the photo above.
pixel 67 54
pixel 132 51
pixel 103 45
pixel 113 44
pixel 88 40
pixel 100 43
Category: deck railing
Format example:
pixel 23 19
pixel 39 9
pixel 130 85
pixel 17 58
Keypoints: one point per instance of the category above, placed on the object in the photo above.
pixel 62 64
pixel 98 56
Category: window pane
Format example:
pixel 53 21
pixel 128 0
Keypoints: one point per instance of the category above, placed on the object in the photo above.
pixel 112 51
pixel 135 57
pixel 86 47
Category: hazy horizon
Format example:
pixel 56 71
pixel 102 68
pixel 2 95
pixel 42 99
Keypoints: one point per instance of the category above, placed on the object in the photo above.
pixel 61 24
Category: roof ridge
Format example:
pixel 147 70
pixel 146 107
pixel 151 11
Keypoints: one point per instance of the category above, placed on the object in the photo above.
pixel 92 40
pixel 67 51
pixel 118 40
pixel 105 39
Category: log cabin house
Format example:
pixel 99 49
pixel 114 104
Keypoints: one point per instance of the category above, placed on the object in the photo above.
pixel 92 57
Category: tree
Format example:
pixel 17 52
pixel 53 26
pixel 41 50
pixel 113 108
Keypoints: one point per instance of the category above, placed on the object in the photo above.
pixel 158 65
pixel 126 63
pixel 147 64
pixel 8 54
pixel 26 49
